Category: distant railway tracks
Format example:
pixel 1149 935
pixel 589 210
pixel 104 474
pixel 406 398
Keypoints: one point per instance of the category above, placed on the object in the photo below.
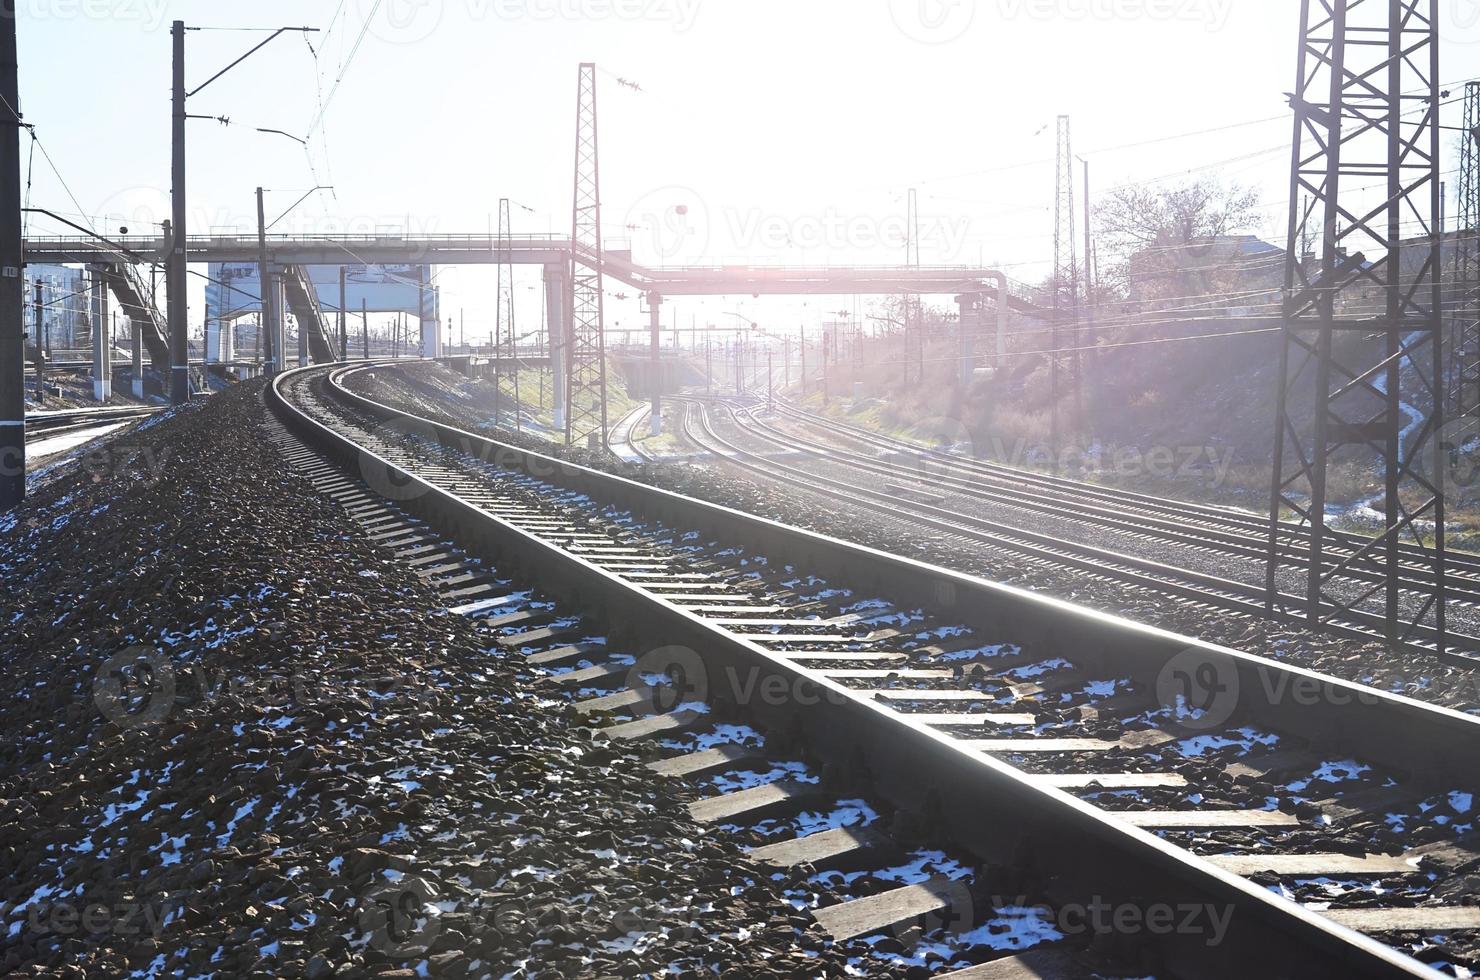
pixel 1054 760
pixel 929 487
pixel 73 420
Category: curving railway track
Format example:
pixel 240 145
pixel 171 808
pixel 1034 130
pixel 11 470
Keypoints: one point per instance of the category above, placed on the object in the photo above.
pixel 955 496
pixel 1051 759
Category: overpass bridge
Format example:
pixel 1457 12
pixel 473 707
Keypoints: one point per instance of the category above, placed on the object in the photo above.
pixel 554 254
pixel 551 252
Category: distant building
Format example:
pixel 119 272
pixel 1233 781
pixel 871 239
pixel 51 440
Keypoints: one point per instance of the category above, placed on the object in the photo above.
pixel 1226 275
pixel 64 302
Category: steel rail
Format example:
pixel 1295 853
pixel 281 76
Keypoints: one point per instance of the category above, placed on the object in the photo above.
pixel 1182 583
pixel 988 806
pixel 1196 535
pixel 1209 514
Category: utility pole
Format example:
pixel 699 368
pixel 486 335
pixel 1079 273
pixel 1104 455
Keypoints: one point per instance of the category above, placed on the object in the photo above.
pixel 175 264
pixel 343 337
pixel 364 330
pixel 708 370
pixel 12 285
pixel 826 350
pixel 770 388
pixel 802 349
pixel 267 330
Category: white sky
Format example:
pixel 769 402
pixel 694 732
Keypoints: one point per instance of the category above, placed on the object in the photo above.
pixel 791 128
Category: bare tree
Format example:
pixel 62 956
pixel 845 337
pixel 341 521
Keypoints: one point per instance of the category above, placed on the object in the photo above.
pixel 1166 240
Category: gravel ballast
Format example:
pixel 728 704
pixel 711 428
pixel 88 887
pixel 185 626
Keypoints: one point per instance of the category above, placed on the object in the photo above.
pixel 239 740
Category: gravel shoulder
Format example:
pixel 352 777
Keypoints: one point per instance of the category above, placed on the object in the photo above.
pixel 241 741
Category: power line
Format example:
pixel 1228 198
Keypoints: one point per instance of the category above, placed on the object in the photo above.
pixel 345 65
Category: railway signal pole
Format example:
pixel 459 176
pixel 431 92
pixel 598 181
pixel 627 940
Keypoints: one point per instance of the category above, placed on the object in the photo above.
pixel 176 264
pixel 1365 108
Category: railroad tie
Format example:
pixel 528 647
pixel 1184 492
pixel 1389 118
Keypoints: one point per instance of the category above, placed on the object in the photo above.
pixel 822 850
pixel 1044 963
pixel 569 652
pixel 752 803
pixel 1312 865
pixel 875 913
pixel 703 761
pixel 592 676
pixel 628 731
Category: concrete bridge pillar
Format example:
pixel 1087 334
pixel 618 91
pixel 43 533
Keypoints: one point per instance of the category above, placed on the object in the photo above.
pixel 557 321
pixel 102 340
pixel 969 305
pixel 655 303
pixel 136 338
pixel 431 324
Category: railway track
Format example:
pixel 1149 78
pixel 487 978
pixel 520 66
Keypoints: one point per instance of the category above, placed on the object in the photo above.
pixel 1218 591
pixel 1068 759
pixel 1232 526
pixel 1212 530
pixel 57 423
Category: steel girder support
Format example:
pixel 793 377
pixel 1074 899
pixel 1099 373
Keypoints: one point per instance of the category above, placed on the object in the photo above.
pixel 1361 365
pixel 585 392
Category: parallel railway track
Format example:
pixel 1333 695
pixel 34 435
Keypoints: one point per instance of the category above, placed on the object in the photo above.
pixel 57 423
pixel 1047 744
pixel 1217 591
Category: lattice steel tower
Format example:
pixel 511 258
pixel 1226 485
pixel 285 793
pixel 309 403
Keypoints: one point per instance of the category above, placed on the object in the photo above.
pixel 507 346
pixel 1362 362
pixel 585 394
pixel 1065 275
pixel 1464 291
